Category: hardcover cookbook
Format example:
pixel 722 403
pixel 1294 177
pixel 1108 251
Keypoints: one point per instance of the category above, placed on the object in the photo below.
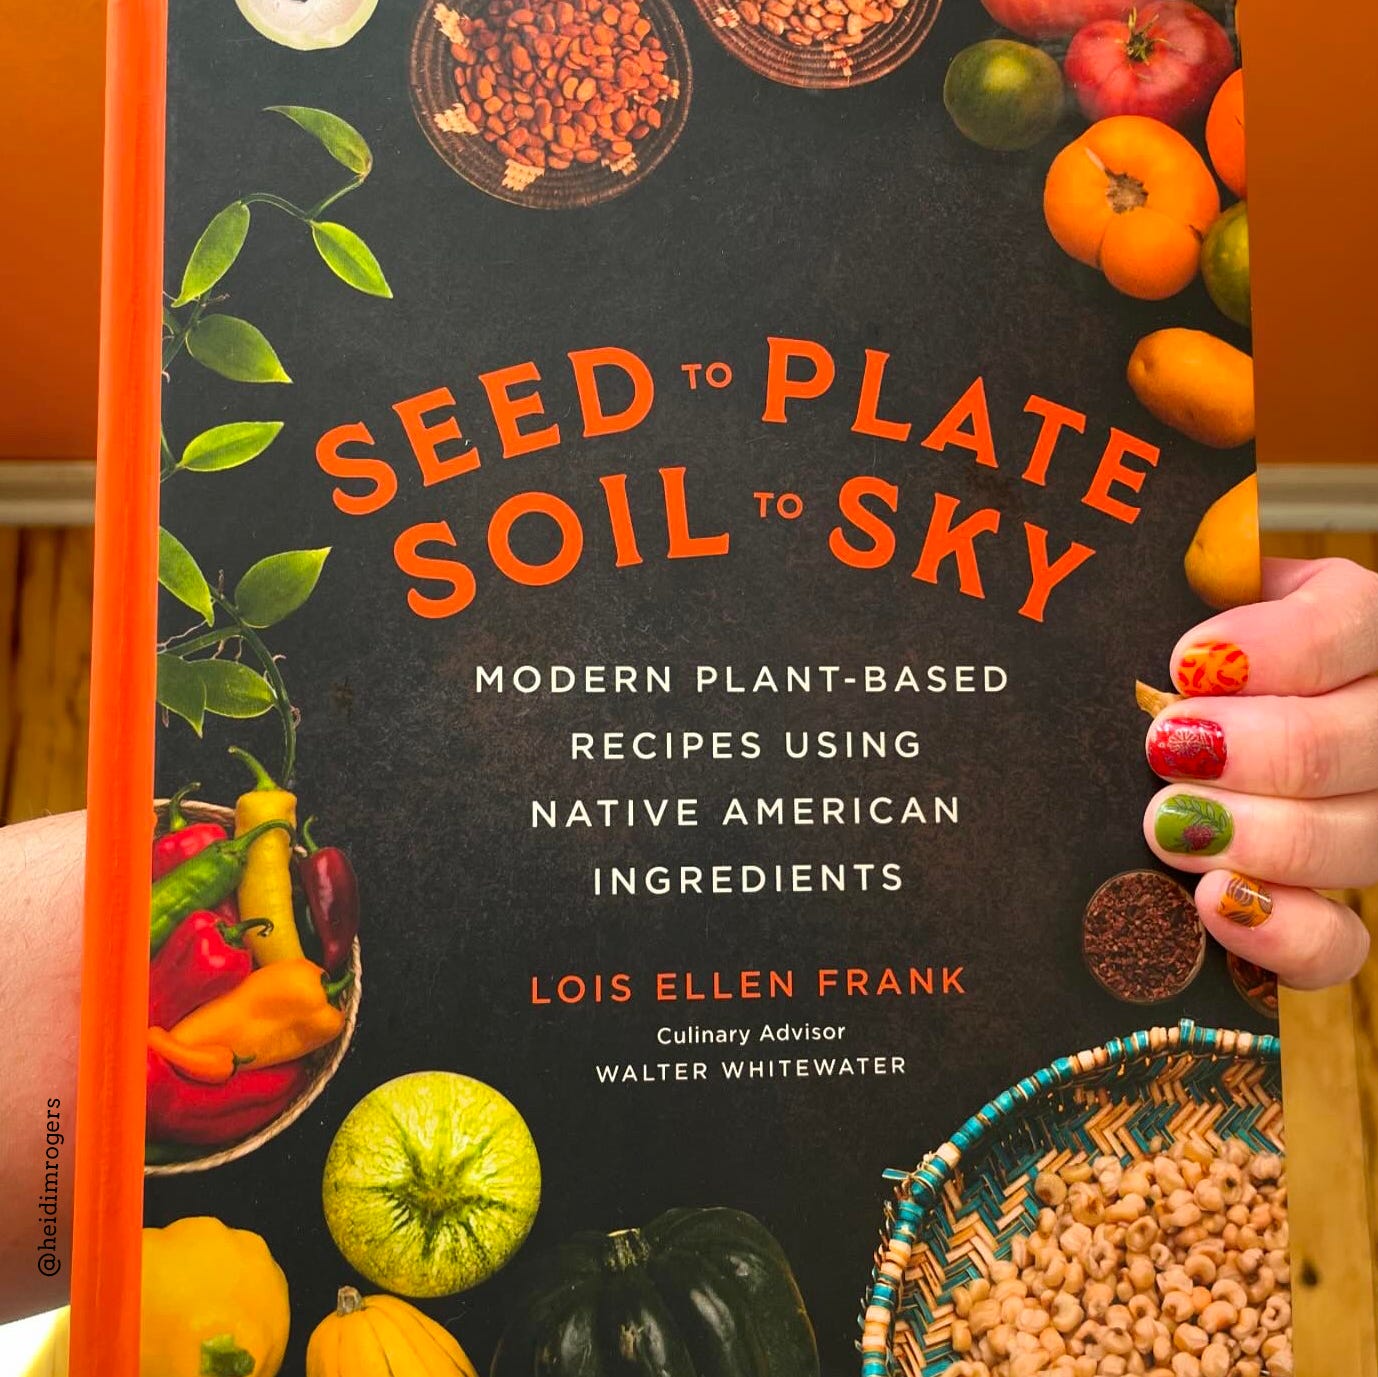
pixel 673 521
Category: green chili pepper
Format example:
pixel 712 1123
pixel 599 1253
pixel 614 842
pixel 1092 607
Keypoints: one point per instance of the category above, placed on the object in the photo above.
pixel 201 882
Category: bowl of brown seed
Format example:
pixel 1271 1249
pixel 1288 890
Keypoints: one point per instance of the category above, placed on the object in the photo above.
pixel 550 104
pixel 821 44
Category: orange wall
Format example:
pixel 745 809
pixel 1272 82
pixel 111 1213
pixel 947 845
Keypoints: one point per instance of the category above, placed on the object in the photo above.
pixel 1312 195
pixel 51 101
pixel 1312 121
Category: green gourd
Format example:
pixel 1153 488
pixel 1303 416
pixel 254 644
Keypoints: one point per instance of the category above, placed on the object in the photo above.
pixel 697 1293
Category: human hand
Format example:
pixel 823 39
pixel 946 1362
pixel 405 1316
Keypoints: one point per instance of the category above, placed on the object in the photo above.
pixel 1272 759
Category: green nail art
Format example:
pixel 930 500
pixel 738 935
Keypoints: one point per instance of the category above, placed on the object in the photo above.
pixel 1190 825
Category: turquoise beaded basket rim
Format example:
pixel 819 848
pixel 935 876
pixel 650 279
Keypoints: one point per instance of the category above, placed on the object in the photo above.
pixel 1184 1069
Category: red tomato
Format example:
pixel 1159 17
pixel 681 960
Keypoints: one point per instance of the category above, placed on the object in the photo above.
pixel 1051 18
pixel 1166 59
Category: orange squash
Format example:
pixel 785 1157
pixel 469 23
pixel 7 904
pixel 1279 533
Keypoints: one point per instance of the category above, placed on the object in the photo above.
pixel 1225 133
pixel 1133 198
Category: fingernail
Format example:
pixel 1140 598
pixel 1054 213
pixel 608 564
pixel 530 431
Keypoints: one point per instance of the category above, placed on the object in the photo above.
pixel 1213 668
pixel 1187 748
pixel 1190 825
pixel 1245 902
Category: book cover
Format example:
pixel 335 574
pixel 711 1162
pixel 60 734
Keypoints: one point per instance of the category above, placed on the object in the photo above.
pixel 673 523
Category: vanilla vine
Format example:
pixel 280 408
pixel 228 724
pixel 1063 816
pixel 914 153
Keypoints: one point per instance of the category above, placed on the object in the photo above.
pixel 192 683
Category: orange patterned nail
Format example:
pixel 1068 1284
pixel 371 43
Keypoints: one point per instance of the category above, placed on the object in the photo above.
pixel 1245 902
pixel 1218 667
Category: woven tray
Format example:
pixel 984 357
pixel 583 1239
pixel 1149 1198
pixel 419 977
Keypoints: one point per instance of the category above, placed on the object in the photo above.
pixel 324 1062
pixel 959 1209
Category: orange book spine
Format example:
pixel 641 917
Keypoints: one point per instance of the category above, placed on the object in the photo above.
pixel 108 1188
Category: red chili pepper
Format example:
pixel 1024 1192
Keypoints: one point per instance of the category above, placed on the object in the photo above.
pixel 189 1112
pixel 183 840
pixel 332 895
pixel 204 957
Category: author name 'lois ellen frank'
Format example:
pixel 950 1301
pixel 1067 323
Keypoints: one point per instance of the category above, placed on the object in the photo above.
pixel 696 987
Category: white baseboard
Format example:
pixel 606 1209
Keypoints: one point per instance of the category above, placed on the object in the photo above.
pixel 1318 497
pixel 47 492
pixel 1294 497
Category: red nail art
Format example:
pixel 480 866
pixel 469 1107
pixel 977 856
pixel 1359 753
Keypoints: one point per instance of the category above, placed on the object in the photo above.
pixel 1187 748
pixel 1218 667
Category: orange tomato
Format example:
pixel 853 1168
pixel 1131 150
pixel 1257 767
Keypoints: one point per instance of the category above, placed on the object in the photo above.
pixel 1133 198
pixel 1225 133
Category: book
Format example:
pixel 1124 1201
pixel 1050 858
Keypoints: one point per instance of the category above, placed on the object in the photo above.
pixel 671 526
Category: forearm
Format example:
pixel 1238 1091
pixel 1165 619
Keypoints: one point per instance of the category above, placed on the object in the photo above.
pixel 41 876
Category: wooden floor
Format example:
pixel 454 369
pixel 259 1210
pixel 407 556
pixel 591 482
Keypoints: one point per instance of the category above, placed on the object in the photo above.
pixel 45 662
pixel 1330 1038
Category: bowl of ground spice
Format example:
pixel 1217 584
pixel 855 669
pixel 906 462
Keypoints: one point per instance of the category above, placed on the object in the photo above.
pixel 820 44
pixel 1142 937
pixel 551 104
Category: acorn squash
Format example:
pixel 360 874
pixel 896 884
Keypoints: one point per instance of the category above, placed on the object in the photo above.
pixel 697 1293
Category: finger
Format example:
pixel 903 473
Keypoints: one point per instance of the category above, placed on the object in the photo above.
pixel 1287 747
pixel 1327 843
pixel 1307 940
pixel 1318 634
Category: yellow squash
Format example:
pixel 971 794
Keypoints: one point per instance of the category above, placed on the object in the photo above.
pixel 1196 383
pixel 381 1336
pixel 214 1301
pixel 1223 563
pixel 51 1358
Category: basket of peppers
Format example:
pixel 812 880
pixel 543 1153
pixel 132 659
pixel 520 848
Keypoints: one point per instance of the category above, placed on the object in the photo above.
pixel 248 1016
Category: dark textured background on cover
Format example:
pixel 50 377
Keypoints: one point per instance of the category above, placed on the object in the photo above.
pixel 855 218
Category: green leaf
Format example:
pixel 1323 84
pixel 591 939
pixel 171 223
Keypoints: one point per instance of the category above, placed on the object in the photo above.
pixel 228 446
pixel 215 252
pixel 233 689
pixel 275 587
pixel 342 141
pixel 181 690
pixel 180 574
pixel 349 258
pixel 236 350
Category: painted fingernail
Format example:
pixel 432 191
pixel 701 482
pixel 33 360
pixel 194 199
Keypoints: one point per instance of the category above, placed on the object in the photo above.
pixel 1212 668
pixel 1245 902
pixel 1187 748
pixel 1189 825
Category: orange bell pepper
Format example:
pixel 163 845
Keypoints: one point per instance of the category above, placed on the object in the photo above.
pixel 276 1014
pixel 210 1063
pixel 1133 198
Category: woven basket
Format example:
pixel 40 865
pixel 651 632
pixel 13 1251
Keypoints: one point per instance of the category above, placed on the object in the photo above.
pixel 448 129
pixel 885 47
pixel 962 1206
pixel 324 1063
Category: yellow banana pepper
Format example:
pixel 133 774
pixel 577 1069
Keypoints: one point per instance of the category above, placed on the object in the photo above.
pixel 266 889
pixel 277 1014
pixel 214 1301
